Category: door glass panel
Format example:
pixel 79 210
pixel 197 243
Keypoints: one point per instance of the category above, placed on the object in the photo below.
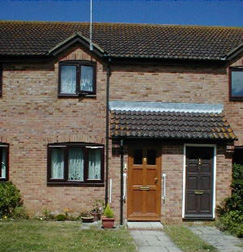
pixel 138 156
pixel 151 157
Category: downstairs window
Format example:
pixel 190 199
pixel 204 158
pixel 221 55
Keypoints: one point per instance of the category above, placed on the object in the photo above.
pixel 75 163
pixel 3 162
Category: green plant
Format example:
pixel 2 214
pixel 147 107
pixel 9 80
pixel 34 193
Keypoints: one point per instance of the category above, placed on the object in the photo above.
pixel 231 210
pixel 98 206
pixel 61 217
pixel 20 213
pixel 108 213
pixel 48 215
pixel 10 199
pixel 85 213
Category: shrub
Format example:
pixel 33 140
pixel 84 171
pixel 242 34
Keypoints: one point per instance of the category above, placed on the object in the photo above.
pixel 231 211
pixel 47 215
pixel 108 212
pixel 10 199
pixel 20 213
pixel 60 217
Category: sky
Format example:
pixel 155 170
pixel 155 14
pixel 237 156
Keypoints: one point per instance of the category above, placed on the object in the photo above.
pixel 182 12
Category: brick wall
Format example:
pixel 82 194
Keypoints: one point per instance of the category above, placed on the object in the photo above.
pixel 234 111
pixel 32 116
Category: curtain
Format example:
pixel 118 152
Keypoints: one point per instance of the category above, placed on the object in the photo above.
pixel 68 79
pixel 76 164
pixel 94 164
pixel 86 78
pixel 3 163
pixel 57 163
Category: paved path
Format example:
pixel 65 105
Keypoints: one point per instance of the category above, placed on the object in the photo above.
pixel 153 241
pixel 223 242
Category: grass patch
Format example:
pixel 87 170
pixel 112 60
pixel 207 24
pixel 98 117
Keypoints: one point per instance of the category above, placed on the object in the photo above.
pixel 187 240
pixel 47 236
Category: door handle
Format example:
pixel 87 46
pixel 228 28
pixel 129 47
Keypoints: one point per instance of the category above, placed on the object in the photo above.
pixel 144 188
pixel 199 192
pixel 155 180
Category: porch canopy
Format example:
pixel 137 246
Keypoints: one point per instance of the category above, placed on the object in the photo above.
pixel 169 121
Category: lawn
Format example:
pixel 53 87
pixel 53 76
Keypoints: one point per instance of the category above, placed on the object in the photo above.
pixel 46 236
pixel 186 240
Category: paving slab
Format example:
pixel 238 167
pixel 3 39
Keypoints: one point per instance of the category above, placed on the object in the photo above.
pixel 153 241
pixel 220 240
pixel 144 225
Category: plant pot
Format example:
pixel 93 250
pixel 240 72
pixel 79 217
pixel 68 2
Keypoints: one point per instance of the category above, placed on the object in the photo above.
pixel 108 222
pixel 96 216
pixel 87 219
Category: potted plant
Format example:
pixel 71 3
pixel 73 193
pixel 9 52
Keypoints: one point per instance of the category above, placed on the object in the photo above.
pixel 108 218
pixel 98 209
pixel 86 216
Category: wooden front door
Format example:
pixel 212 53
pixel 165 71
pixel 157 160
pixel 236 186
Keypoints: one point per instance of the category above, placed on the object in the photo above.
pixel 199 182
pixel 144 183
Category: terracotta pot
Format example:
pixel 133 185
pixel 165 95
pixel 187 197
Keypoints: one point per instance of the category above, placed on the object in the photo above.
pixel 108 222
pixel 87 219
pixel 96 216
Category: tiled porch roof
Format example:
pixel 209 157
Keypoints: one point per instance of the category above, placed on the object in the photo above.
pixel 169 121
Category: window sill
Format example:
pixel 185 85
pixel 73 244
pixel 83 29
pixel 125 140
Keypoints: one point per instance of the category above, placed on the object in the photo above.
pixel 77 96
pixel 80 184
pixel 3 180
pixel 236 99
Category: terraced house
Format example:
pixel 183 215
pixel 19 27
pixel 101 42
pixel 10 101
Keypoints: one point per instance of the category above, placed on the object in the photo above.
pixel 150 119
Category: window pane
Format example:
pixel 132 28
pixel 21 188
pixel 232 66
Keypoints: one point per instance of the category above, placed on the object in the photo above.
pixel 3 163
pixel 86 78
pixel 138 156
pixel 57 163
pixel 68 79
pixel 76 164
pixel 151 157
pixel 94 164
pixel 237 83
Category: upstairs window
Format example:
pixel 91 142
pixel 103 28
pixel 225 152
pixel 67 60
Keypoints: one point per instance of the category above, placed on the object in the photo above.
pixel 236 83
pixel 77 78
pixel 75 163
pixel 3 162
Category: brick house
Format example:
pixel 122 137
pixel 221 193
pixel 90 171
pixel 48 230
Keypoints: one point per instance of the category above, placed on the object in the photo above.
pixel 149 120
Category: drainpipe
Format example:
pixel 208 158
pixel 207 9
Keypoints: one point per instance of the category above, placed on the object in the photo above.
pixel 108 74
pixel 122 165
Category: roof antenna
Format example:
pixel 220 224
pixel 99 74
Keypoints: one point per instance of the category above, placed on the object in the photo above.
pixel 91 26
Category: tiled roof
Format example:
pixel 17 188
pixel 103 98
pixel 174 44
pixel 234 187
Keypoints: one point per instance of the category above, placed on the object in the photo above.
pixel 123 40
pixel 170 125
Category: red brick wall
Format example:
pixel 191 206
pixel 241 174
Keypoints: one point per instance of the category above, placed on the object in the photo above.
pixel 234 111
pixel 32 116
pixel 177 84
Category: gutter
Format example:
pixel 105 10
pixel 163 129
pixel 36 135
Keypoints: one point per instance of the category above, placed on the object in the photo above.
pixel 108 74
pixel 122 192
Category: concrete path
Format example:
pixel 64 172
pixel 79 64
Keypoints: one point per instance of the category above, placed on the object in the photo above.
pixel 153 241
pixel 223 242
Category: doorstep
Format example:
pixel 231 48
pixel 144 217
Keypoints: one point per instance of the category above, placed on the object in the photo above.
pixel 144 225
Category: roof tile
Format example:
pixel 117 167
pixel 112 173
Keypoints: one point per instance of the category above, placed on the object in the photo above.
pixel 123 40
pixel 175 125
